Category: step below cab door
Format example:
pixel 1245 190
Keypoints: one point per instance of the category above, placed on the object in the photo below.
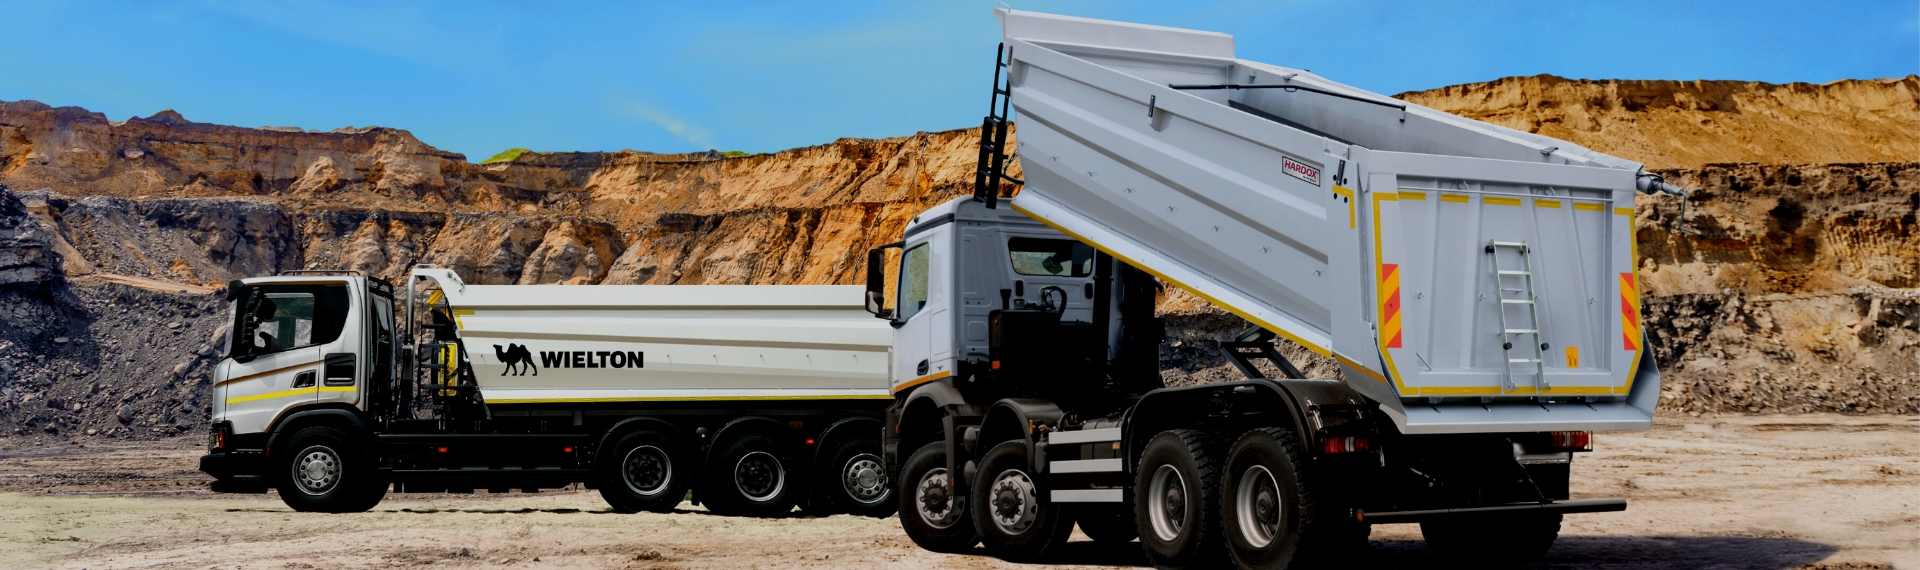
pixel 279 349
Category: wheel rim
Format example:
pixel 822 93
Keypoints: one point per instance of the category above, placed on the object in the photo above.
pixel 647 470
pixel 759 476
pixel 933 498
pixel 1167 502
pixel 1256 504
pixel 864 479
pixel 316 470
pixel 1015 501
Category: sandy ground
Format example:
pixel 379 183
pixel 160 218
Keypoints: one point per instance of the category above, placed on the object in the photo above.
pixel 1805 491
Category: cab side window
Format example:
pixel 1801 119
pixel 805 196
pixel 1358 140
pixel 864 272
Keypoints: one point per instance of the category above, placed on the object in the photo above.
pixel 913 281
pixel 285 317
pixel 1056 257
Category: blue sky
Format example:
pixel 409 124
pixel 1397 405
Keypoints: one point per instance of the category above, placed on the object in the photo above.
pixel 479 77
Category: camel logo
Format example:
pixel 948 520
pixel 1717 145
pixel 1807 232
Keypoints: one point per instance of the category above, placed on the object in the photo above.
pixel 515 356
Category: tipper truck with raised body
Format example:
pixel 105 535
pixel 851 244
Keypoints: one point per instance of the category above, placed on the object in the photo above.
pixel 336 387
pixel 1475 285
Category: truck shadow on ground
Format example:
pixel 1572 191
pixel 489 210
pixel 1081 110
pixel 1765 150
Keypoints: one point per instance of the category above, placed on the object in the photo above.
pixel 1569 552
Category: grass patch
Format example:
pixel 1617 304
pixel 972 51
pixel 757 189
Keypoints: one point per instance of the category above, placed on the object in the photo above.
pixel 735 154
pixel 506 155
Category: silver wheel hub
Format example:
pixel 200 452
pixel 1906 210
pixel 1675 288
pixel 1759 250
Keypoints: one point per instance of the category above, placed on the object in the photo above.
pixel 1256 505
pixel 1167 503
pixel 316 470
pixel 933 497
pixel 759 476
pixel 1015 501
pixel 864 479
pixel 647 470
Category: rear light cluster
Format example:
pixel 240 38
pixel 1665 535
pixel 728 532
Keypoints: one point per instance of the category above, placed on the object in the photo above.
pixel 218 440
pixel 1345 444
pixel 1573 440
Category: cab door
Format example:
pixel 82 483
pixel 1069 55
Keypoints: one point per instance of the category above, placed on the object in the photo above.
pixel 283 332
pixel 913 318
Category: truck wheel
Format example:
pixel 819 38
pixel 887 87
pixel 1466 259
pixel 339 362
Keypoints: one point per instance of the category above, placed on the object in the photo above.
pixel 753 478
pixel 1523 538
pixel 1269 513
pixel 1017 520
pixel 855 480
pixel 1177 499
pixel 932 512
pixel 1108 524
pixel 643 472
pixel 324 474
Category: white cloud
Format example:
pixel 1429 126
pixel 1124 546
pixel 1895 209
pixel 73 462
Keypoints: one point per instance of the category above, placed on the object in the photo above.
pixel 642 110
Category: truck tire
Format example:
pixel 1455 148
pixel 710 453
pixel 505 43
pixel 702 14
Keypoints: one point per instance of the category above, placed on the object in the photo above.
pixel 323 473
pixel 1016 518
pixel 855 480
pixel 1523 538
pixel 644 471
pixel 754 477
pixel 1108 524
pixel 1269 511
pixel 932 512
pixel 1177 500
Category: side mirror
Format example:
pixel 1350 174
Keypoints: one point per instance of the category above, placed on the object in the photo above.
pixel 877 280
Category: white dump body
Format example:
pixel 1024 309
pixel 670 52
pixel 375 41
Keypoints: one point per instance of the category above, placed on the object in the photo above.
pixel 1351 223
pixel 673 342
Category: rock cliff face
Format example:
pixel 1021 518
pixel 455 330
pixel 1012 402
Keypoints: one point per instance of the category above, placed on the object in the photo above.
pixel 1791 297
pixel 1683 124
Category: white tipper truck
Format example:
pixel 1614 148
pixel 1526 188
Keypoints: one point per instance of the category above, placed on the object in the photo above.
pixel 336 388
pixel 1475 285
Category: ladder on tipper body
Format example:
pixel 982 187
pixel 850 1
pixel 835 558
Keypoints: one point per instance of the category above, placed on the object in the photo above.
pixel 1528 298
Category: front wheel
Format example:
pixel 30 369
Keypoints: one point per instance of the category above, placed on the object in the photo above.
pixel 643 472
pixel 932 512
pixel 324 474
pixel 1017 520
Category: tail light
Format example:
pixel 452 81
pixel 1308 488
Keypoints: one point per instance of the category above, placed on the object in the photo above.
pixel 1345 444
pixel 1573 440
pixel 218 440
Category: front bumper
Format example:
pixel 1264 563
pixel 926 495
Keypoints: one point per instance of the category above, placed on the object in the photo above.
pixel 236 471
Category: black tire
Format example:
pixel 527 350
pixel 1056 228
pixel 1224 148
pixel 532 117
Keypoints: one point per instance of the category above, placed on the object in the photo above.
pixel 644 471
pixel 1107 524
pixel 1268 508
pixel 754 477
pixel 322 472
pixel 1015 516
pixel 932 512
pixel 854 480
pixel 1464 542
pixel 1177 500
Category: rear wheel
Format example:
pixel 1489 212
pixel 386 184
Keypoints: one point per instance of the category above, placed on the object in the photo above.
pixel 855 480
pixel 325 474
pixel 644 474
pixel 1177 499
pixel 753 478
pixel 932 512
pixel 1269 513
pixel 1522 538
pixel 1017 520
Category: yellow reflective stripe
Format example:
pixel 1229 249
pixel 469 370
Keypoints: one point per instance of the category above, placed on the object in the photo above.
pixel 1589 206
pixel 1352 218
pixel 922 380
pixel 1461 198
pixel 1623 211
pixel 1413 195
pixel 293 392
pixel 1537 203
pixel 1496 391
pixel 1502 201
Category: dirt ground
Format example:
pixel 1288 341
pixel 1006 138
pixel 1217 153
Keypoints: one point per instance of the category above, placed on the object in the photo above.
pixel 1764 492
